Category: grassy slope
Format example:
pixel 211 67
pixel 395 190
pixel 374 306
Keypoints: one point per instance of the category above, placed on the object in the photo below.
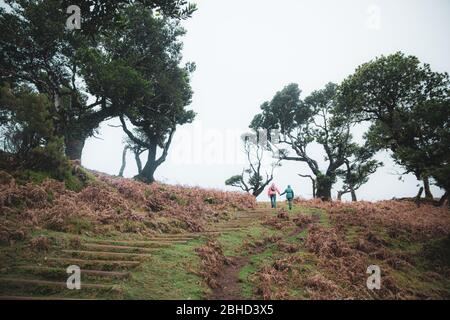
pixel 271 253
pixel 236 244
pixel 173 272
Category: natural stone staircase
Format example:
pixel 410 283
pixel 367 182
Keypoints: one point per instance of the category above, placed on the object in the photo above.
pixel 104 264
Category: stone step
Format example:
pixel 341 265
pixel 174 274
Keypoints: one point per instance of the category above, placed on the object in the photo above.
pixel 208 233
pixel 138 243
pixel 104 265
pixel 115 248
pixel 189 235
pixel 233 225
pixel 62 273
pixel 171 238
pixel 106 255
pixel 220 229
pixel 17 282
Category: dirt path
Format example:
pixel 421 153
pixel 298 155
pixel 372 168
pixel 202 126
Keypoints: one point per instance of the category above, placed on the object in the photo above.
pixel 228 281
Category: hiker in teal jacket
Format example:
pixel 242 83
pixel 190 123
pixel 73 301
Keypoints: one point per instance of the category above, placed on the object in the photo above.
pixel 289 195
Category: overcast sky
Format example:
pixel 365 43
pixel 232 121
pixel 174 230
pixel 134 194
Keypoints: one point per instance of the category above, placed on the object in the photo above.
pixel 246 50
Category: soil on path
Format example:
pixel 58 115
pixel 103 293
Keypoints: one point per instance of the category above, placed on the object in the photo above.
pixel 229 286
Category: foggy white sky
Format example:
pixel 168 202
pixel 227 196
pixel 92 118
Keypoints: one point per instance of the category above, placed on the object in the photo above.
pixel 246 50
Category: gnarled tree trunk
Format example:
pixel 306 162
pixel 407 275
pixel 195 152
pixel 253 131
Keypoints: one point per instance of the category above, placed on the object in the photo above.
pixel 324 185
pixel 74 148
pixel 324 191
pixel 353 193
pixel 418 196
pixel 124 161
pixel 313 182
pixel 426 186
pixel 147 173
pixel 342 192
pixel 138 161
pixel 446 196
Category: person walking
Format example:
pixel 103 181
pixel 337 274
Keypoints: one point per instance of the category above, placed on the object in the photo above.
pixel 272 193
pixel 289 195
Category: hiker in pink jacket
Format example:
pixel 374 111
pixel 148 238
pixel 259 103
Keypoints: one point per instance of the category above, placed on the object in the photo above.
pixel 272 193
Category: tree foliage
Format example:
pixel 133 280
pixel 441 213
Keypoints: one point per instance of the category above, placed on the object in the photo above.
pixel 408 107
pixel 152 46
pixel 357 170
pixel 68 66
pixel 29 135
pixel 258 175
pixel 303 122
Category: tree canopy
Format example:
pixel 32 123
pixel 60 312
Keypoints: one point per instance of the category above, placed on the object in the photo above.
pixel 258 174
pixel 303 122
pixel 70 66
pixel 408 107
pixel 152 46
pixel 124 62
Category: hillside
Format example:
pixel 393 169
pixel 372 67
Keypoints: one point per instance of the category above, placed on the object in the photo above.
pixel 139 241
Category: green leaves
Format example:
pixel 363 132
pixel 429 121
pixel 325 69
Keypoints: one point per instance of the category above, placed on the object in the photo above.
pixel 388 86
pixel 125 55
pixel 279 113
pixel 315 119
pixel 408 106
pixel 358 168
pixel 234 181
pixel 27 128
pixel 147 83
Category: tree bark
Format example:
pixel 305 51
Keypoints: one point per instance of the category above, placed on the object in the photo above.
pixel 353 193
pixel 314 188
pixel 426 185
pixel 342 192
pixel 138 161
pixel 323 190
pixel 313 182
pixel 261 188
pixel 124 161
pixel 418 196
pixel 74 148
pixel 257 192
pixel 147 173
pixel 446 196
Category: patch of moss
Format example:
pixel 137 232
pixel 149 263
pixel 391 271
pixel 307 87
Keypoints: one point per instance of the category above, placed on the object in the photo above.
pixel 33 176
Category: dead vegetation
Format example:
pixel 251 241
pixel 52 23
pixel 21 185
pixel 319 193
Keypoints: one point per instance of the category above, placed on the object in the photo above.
pixel 394 234
pixel 274 281
pixel 302 254
pixel 410 244
pixel 109 203
pixel 213 262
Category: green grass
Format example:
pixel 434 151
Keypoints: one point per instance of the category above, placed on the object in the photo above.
pixel 173 272
pixel 71 181
pixel 169 274
pixel 256 262
pixel 232 244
